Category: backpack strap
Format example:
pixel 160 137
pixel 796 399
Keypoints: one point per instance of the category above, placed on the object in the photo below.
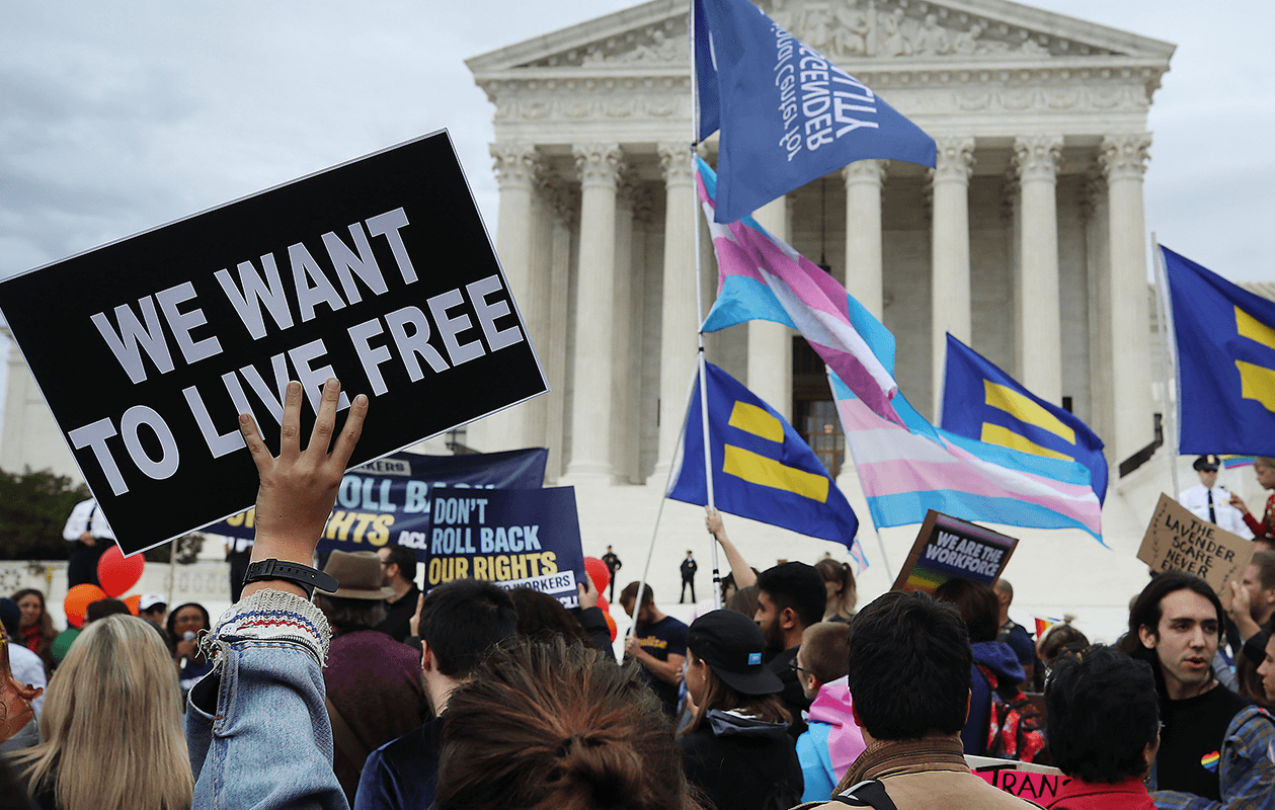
pixel 343 736
pixel 866 794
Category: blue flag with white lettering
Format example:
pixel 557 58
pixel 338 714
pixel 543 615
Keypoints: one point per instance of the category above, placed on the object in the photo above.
pixel 983 403
pixel 788 116
pixel 1226 362
pixel 762 469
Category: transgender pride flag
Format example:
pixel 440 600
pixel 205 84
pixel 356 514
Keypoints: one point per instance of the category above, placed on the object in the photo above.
pixel 762 278
pixel 909 468
pixel 905 474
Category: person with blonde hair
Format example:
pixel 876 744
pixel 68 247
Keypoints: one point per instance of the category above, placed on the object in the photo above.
pixel 112 726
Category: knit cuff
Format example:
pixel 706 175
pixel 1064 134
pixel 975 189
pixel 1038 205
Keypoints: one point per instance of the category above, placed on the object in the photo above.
pixel 270 615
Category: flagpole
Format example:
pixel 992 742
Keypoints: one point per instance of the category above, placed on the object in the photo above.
pixel 699 314
pixel 1168 363
pixel 674 466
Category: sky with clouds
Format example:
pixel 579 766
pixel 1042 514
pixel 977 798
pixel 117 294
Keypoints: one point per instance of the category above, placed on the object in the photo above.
pixel 116 118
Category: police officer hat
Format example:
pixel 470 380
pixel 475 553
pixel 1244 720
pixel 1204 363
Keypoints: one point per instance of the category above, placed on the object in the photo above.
pixel 1208 463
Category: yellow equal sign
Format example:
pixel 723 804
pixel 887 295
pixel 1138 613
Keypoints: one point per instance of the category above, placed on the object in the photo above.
pixel 762 470
pixel 1256 382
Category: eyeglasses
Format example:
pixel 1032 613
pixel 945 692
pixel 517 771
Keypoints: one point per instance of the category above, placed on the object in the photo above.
pixel 793 666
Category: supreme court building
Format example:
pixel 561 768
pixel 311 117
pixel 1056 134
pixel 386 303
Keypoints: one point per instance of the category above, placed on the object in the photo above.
pixel 1026 242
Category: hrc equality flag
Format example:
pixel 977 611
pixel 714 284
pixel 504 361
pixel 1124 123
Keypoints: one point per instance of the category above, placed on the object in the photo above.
pixel 763 278
pixel 908 469
pixel 1225 339
pixel 762 469
pixel 982 402
pixel 787 114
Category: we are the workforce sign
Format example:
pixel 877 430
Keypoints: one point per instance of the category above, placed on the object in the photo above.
pixel 379 272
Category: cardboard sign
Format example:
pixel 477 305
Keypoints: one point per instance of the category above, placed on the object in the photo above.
pixel 1177 540
pixel 389 501
pixel 378 271
pixel 516 538
pixel 949 548
pixel 1038 783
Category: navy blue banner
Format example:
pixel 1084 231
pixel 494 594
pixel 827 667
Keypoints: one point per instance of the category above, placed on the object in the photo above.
pixel 390 500
pixel 516 538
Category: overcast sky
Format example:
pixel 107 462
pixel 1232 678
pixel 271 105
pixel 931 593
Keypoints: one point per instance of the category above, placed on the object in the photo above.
pixel 115 118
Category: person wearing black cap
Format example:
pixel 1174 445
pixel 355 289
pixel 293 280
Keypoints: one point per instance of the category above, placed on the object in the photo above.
pixel 1210 502
pixel 736 747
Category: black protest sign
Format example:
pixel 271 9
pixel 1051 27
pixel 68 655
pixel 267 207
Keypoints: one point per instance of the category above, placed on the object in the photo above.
pixel 379 272
pixel 516 538
pixel 1177 540
pixel 950 548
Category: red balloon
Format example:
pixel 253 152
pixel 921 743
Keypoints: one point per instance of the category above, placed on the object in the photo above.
pixel 610 625
pixel 598 572
pixel 134 603
pixel 118 573
pixel 603 605
pixel 78 600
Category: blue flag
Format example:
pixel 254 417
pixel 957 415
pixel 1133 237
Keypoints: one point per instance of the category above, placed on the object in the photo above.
pixel 983 403
pixel 788 116
pixel 761 468
pixel 1225 337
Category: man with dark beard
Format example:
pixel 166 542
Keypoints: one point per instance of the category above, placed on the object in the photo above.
pixel 792 597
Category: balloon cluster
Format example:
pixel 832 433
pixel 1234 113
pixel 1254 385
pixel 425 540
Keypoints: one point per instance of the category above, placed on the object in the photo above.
pixel 117 574
pixel 601 576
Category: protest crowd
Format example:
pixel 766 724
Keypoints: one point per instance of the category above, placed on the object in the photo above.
pixel 354 679
pixel 328 689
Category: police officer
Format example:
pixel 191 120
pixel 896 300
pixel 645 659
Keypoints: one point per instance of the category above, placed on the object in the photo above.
pixel 1211 502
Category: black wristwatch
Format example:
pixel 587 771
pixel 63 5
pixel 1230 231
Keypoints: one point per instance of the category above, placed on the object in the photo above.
pixel 305 576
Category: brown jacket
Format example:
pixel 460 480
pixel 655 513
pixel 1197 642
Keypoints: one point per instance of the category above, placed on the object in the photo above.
pixel 925 774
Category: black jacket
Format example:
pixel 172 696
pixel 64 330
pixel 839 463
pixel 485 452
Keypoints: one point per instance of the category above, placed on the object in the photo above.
pixel 742 763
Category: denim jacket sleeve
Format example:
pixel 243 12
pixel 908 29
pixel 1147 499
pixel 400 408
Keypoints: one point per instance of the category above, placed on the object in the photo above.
pixel 1248 768
pixel 257 727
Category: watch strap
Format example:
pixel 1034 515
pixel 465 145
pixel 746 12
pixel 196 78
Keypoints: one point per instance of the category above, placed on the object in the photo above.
pixel 305 576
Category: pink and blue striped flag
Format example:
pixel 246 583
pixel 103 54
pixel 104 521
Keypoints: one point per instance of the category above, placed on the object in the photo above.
pixel 763 278
pixel 907 469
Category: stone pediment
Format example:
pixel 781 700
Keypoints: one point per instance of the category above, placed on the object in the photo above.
pixel 652 38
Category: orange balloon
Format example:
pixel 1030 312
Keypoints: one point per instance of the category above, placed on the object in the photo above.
pixel 78 600
pixel 610 624
pixel 134 603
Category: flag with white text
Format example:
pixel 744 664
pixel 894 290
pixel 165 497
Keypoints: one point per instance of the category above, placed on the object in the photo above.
pixel 787 114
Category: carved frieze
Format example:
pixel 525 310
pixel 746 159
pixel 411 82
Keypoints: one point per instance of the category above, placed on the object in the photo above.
pixel 842 29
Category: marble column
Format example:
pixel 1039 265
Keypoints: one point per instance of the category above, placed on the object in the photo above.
pixel 600 166
pixel 1039 338
pixel 950 252
pixel 563 200
pixel 679 325
pixel 1123 160
pixel 624 369
pixel 864 179
pixel 770 344
pixel 518 167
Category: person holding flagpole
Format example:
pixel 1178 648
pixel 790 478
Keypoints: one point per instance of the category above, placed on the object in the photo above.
pixel 1264 467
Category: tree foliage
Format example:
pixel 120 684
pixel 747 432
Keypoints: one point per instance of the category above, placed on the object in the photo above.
pixel 34 507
